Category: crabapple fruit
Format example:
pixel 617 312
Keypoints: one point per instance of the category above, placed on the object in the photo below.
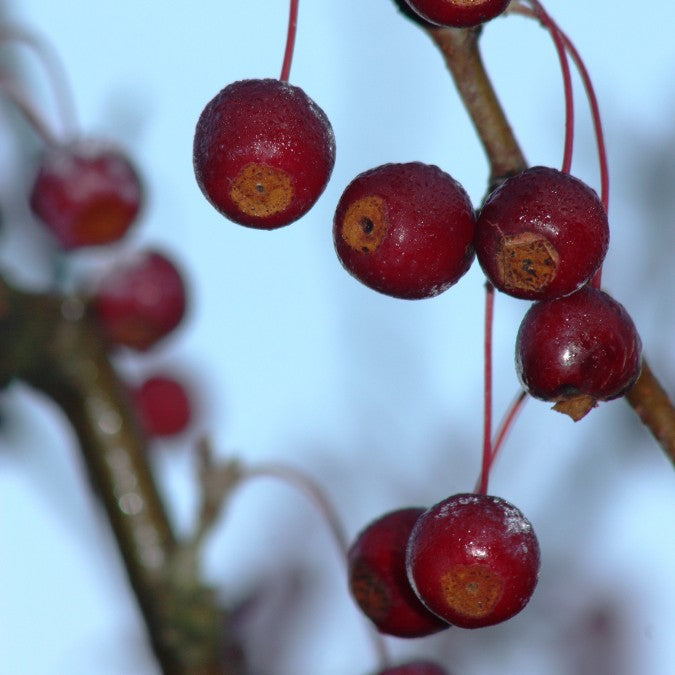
pixel 578 350
pixel 405 230
pixel 263 152
pixel 86 193
pixel 541 234
pixel 378 581
pixel 140 301
pixel 473 560
pixel 458 13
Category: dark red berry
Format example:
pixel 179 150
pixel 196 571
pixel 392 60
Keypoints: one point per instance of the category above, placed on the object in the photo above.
pixel 163 406
pixel 405 230
pixel 263 152
pixel 473 560
pixel 542 234
pixel 415 668
pixel 86 193
pixel 578 350
pixel 140 301
pixel 458 13
pixel 378 581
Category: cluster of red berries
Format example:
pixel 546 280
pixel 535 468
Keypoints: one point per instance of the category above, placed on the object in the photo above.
pixel 263 154
pixel 88 193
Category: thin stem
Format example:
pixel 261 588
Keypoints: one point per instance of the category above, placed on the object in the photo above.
pixel 507 422
pixel 290 40
pixel 316 495
pixel 487 413
pixel 55 74
pixel 27 109
pixel 567 82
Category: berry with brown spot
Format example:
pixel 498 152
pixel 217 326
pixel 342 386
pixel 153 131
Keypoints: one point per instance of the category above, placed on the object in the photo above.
pixel 405 230
pixel 87 194
pixel 263 152
pixel 542 234
pixel 578 350
pixel 378 581
pixel 458 13
pixel 473 560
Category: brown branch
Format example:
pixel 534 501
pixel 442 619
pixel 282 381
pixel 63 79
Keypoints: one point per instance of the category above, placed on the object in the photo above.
pixel 51 343
pixel 462 56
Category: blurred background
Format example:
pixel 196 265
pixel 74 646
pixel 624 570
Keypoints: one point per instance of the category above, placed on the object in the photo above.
pixel 293 361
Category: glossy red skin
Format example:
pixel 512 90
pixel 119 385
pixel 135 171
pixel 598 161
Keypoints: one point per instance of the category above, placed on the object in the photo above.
pixel 415 668
pixel 163 406
pixel 140 301
pixel 428 245
pixel 474 532
pixel 87 194
pixel 378 581
pixel 264 121
pixel 557 206
pixel 457 13
pixel 585 343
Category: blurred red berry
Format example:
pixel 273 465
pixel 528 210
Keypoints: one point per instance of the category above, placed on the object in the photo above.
pixel 163 406
pixel 86 193
pixel 415 668
pixel 140 301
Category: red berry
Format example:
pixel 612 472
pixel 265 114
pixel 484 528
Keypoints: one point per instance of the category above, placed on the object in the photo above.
pixel 163 406
pixel 263 152
pixel 542 234
pixel 378 581
pixel 415 668
pixel 578 350
pixel 473 560
pixel 405 230
pixel 86 193
pixel 458 13
pixel 140 301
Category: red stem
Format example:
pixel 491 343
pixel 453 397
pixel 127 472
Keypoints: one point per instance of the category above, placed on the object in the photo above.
pixel 290 41
pixel 507 423
pixel 487 421
pixel 558 40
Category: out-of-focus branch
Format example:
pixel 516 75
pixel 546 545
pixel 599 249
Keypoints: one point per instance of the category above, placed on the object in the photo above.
pixel 51 343
pixel 462 56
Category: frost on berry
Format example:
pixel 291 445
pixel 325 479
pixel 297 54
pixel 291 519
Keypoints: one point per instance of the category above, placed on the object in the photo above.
pixel 473 560
pixel 263 152
pixel 405 230
pixel 542 234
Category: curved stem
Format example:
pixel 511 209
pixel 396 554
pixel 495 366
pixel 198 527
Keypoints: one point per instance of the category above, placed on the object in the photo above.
pixel 462 56
pixel 554 31
pixel 55 73
pixel 290 40
pixel 27 109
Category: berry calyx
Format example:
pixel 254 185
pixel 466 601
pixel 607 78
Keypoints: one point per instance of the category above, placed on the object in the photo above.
pixel 415 668
pixel 541 234
pixel 378 580
pixel 140 301
pixel 86 193
pixel 458 13
pixel 263 152
pixel 405 230
pixel 473 560
pixel 578 350
pixel 162 405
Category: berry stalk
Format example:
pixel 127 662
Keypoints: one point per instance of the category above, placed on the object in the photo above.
pixel 487 413
pixel 290 40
